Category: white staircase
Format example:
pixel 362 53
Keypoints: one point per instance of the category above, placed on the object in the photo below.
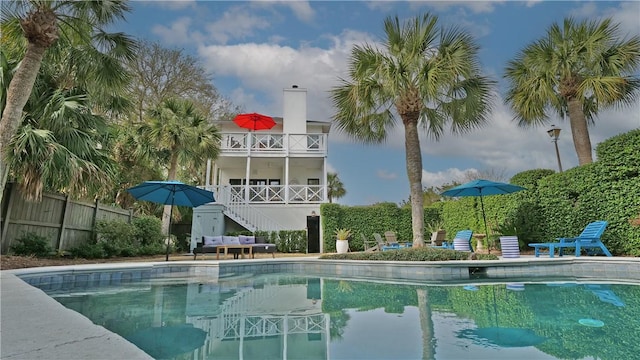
pixel 246 215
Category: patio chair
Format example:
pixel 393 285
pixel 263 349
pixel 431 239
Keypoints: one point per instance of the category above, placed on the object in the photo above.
pixel 437 237
pixel 369 245
pixel 383 245
pixel 392 240
pixel 462 241
pixel 589 240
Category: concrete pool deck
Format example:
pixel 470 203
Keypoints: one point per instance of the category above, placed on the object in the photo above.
pixel 35 326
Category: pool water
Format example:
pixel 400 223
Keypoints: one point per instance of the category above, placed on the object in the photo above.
pixel 295 317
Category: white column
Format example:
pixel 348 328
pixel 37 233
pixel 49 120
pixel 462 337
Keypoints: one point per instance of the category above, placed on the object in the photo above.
pixel 207 175
pixel 216 179
pixel 246 183
pixel 325 191
pixel 286 179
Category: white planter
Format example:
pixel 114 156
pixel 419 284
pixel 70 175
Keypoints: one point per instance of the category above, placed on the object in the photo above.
pixel 342 246
pixel 509 246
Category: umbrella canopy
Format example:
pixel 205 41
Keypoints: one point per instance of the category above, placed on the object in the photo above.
pixel 481 188
pixel 174 193
pixel 502 336
pixel 254 121
pixel 170 341
pixel 499 335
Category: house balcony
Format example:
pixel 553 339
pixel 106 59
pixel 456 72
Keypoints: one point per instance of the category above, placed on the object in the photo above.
pixel 268 194
pixel 265 144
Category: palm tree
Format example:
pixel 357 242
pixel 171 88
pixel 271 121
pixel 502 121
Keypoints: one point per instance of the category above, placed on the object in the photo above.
pixel 57 147
pixel 429 76
pixel 576 69
pixel 41 23
pixel 178 134
pixel 335 187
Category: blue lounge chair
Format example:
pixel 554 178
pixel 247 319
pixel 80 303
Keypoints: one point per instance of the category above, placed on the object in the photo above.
pixel 589 240
pixel 462 241
pixel 605 294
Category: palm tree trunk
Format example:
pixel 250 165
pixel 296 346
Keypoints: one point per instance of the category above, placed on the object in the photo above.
pixel 17 96
pixel 426 325
pixel 580 132
pixel 414 173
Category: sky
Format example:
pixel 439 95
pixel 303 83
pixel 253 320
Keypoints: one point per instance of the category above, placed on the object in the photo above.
pixel 256 49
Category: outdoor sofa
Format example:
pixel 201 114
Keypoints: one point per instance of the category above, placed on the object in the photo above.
pixel 235 245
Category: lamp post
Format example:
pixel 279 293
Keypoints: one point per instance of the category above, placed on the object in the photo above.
pixel 554 133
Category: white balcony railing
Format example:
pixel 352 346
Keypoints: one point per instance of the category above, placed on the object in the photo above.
pixel 236 194
pixel 260 142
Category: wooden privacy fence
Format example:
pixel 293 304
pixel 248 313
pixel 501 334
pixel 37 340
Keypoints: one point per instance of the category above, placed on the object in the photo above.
pixel 66 223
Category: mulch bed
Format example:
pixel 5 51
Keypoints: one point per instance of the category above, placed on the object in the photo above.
pixel 8 262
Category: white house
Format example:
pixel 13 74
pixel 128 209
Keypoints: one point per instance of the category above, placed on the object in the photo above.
pixel 267 179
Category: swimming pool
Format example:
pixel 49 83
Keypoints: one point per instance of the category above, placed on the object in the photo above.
pixel 270 314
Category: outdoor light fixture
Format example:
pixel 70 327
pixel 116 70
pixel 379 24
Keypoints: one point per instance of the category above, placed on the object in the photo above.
pixel 554 133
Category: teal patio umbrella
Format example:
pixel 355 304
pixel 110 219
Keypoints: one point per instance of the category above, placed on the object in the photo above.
pixel 174 193
pixel 482 188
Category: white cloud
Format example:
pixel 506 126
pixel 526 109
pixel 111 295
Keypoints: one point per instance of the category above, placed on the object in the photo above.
pixel 628 15
pixel 477 7
pixel 430 179
pixel 302 9
pixel 177 32
pixel 174 4
pixel 267 67
pixel 624 13
pixel 236 23
pixel 585 10
pixel 532 3
pixel 386 175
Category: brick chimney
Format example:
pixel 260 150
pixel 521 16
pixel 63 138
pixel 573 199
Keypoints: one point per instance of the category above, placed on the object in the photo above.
pixel 294 114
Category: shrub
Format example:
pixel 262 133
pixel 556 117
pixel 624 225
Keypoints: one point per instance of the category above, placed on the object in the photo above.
pixel 411 254
pixel 148 230
pixel 114 236
pixel 290 241
pixel 31 244
pixel 183 242
pixel 151 249
pixel 88 251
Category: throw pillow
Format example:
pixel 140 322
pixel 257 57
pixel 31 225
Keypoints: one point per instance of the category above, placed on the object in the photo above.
pixel 212 240
pixel 230 240
pixel 247 240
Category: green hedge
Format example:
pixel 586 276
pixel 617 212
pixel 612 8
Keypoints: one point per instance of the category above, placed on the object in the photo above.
pixel 366 220
pixel 554 205
pixel 608 189
pixel 425 253
pixel 287 241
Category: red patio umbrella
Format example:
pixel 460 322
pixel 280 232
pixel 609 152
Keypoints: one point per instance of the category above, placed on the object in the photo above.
pixel 254 121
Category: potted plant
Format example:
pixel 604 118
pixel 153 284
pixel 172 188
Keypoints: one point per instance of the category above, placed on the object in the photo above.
pixel 342 240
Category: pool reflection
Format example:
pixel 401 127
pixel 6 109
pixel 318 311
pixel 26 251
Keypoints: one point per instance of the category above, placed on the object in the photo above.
pixel 294 317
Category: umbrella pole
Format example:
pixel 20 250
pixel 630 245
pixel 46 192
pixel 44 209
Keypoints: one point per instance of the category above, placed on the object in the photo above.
pixel 484 218
pixel 169 232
